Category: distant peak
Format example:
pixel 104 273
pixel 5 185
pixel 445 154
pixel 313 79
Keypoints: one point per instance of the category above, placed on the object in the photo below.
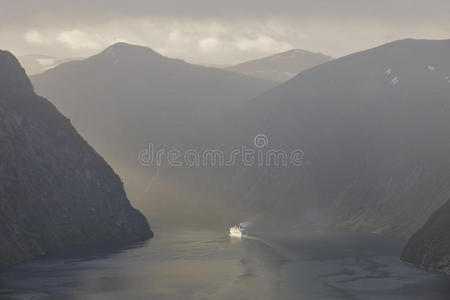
pixel 297 52
pixel 121 48
pixel 122 44
pixel 34 55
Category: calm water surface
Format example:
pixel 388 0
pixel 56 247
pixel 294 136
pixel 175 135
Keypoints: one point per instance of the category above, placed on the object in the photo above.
pixel 192 264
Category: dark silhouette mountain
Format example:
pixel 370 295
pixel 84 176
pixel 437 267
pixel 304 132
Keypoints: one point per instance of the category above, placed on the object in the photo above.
pixel 374 129
pixel 282 66
pixel 429 247
pixel 128 96
pixel 56 192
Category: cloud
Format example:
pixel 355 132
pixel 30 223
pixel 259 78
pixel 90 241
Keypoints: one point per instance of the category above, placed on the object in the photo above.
pixel 402 9
pixel 208 44
pixel 35 37
pixel 77 39
pixel 215 40
pixel 262 43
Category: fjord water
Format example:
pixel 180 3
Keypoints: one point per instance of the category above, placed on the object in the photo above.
pixel 202 264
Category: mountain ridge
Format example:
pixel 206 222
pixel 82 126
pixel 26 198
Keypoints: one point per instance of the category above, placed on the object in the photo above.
pixel 281 67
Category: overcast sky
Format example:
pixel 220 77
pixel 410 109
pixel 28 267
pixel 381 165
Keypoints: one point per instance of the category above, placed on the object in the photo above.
pixel 217 32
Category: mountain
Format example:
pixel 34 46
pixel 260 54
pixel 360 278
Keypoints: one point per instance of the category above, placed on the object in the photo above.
pixel 137 93
pixel 282 66
pixel 429 247
pixel 37 63
pixel 128 96
pixel 373 127
pixel 56 192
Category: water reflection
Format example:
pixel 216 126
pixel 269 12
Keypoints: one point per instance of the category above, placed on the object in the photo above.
pixel 209 265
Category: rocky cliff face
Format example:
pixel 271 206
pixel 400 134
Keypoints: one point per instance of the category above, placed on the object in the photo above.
pixel 429 248
pixel 56 192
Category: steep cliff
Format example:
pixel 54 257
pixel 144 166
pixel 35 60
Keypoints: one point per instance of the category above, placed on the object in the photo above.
pixel 56 192
pixel 429 247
